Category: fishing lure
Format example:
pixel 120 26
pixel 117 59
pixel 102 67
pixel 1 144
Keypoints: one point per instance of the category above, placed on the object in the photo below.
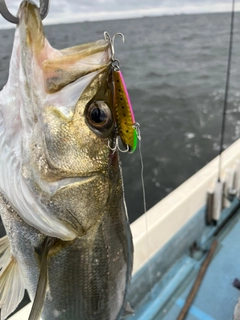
pixel 125 121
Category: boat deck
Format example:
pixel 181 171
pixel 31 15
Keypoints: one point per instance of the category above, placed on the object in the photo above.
pixel 216 297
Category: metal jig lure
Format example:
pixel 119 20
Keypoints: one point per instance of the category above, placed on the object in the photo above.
pixel 125 121
pixel 44 8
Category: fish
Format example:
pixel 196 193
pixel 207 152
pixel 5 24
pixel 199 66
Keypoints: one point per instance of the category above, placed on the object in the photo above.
pixel 68 240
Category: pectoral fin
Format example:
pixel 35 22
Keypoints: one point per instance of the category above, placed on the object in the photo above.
pixel 42 281
pixel 11 280
pixel 5 253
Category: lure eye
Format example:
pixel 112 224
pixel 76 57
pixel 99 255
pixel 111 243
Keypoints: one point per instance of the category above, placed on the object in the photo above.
pixel 99 117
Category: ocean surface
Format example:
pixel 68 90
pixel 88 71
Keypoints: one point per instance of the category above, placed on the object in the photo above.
pixel 175 70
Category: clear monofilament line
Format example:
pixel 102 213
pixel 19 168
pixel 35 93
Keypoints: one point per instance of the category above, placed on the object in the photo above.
pixel 137 127
pixel 142 179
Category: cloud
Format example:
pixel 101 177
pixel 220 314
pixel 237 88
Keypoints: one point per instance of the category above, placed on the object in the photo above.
pixel 73 11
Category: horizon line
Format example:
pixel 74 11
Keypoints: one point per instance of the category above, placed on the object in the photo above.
pixel 124 15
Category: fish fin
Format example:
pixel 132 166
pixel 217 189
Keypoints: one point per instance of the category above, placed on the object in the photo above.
pixel 11 282
pixel 127 311
pixel 41 291
pixel 5 253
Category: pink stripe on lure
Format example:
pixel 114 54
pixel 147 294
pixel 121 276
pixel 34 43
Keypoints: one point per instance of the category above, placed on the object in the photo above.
pixel 124 112
pixel 127 95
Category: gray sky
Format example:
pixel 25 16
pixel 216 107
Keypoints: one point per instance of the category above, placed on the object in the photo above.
pixel 82 10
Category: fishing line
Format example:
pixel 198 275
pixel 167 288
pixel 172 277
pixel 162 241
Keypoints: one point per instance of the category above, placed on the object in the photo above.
pixel 137 127
pixel 129 134
pixel 226 90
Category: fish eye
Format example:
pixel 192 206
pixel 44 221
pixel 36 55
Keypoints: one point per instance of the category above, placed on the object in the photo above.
pixel 99 117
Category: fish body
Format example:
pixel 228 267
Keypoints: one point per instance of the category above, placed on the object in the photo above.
pixel 60 181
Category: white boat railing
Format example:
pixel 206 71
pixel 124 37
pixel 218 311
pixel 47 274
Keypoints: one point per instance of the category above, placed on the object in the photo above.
pixel 169 215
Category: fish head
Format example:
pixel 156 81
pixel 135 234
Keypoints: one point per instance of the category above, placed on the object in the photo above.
pixel 70 105
pixel 58 130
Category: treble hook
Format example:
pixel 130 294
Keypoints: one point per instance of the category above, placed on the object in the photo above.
pixel 43 9
pixel 111 42
pixel 117 147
